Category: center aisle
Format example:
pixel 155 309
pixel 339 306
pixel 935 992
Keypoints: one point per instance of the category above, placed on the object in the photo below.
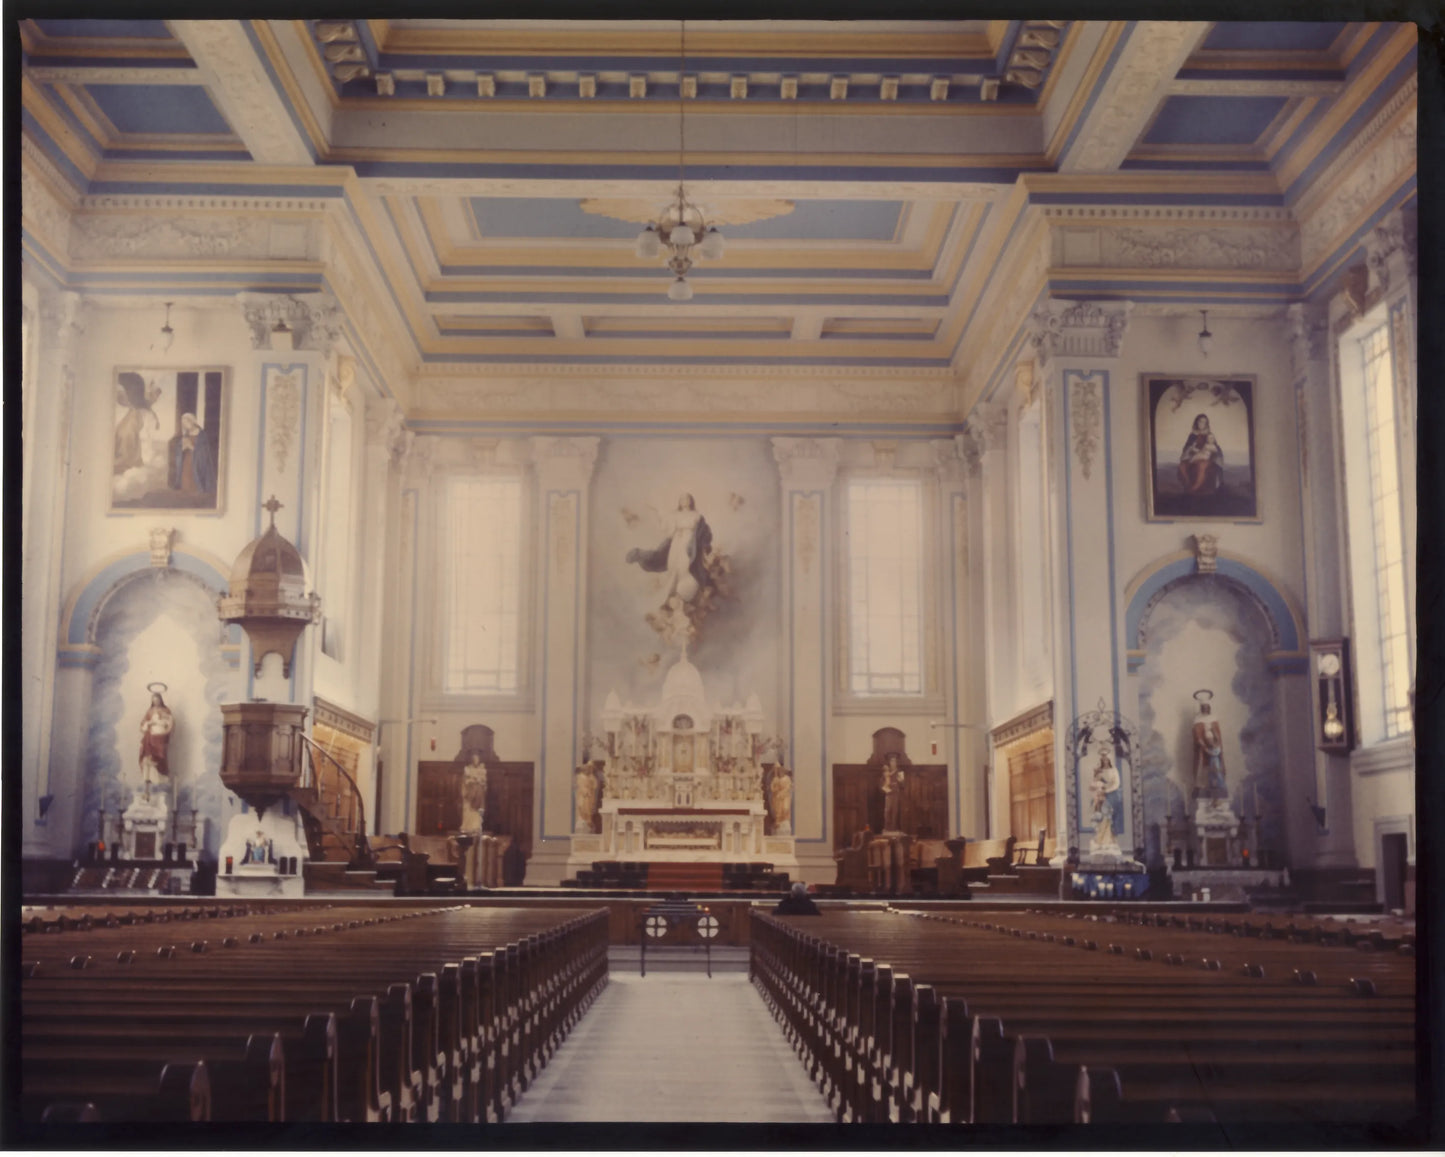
pixel 675 1046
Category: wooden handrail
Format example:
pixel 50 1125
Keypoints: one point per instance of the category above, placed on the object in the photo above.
pixel 361 853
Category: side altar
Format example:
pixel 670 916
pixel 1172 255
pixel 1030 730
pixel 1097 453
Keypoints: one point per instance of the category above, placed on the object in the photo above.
pixel 682 782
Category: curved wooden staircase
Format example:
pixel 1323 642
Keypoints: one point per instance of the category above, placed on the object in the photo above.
pixel 334 816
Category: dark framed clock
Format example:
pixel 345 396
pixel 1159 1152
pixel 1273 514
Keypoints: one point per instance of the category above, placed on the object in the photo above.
pixel 1334 719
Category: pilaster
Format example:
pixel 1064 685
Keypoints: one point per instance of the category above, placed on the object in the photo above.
pixel 563 468
pixel 50 777
pixel 808 468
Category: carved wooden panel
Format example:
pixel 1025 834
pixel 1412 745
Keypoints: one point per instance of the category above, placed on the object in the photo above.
pixel 508 810
pixel 858 801
pixel 1031 787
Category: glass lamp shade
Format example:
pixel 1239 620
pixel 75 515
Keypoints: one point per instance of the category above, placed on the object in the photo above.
pixel 1206 342
pixel 680 290
pixel 712 245
pixel 649 245
pixel 681 235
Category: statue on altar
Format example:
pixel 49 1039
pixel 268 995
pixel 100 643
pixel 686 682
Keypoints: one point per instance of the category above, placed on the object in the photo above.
pixel 156 726
pixel 586 793
pixel 780 794
pixel 892 787
pixel 474 793
pixel 1209 781
pixel 1108 800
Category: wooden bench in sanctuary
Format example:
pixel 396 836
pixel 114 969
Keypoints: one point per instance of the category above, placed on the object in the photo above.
pixel 303 1013
pixel 1035 1018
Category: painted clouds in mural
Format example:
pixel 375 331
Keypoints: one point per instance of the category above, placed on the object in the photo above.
pixel 1201 448
pixel 684 551
pixel 168 439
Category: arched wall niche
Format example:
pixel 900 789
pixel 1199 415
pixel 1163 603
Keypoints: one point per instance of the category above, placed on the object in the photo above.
pixel 1211 631
pixel 134 624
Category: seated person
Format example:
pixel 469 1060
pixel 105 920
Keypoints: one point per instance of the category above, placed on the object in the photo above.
pixel 797 903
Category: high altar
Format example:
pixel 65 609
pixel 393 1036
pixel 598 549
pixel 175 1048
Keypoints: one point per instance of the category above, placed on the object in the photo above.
pixel 680 782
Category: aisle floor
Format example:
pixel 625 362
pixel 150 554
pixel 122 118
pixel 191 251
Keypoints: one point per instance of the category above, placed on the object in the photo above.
pixel 675 1047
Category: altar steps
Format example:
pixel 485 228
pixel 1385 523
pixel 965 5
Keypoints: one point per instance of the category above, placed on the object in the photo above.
pixel 666 877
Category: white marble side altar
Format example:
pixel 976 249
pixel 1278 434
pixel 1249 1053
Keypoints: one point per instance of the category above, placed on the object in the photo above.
pixel 681 781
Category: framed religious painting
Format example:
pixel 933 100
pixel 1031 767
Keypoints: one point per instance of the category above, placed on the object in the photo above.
pixel 169 445
pixel 1199 447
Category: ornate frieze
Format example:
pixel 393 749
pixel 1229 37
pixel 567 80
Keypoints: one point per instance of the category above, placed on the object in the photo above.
pixel 42 210
pixel 168 235
pixel 1390 244
pixel 314 319
pixel 1093 329
pixel 1391 157
pixel 1124 246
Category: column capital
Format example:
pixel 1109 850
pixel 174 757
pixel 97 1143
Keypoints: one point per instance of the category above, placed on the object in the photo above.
pixel 807 463
pixel 988 425
pixel 1308 326
pixel 386 428
pixel 564 461
pixel 1091 329
pixel 291 321
pixel 61 309
pixel 417 457
pixel 1391 247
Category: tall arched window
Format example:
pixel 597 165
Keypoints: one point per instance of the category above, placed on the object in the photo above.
pixel 481 551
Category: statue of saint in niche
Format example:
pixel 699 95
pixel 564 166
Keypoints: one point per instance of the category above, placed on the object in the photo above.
pixel 1108 800
pixel 780 793
pixel 586 784
pixel 892 787
pixel 1209 782
pixel 156 726
pixel 474 793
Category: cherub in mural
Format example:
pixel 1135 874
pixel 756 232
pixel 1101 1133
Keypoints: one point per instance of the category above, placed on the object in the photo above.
pixel 695 573
pixel 156 726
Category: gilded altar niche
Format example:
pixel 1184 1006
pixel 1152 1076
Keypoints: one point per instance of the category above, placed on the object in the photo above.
pixel 680 780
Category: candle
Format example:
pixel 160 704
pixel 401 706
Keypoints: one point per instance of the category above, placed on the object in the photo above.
pixel 1256 801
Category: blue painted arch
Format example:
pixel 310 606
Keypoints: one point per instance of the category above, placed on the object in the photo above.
pixel 83 611
pixel 1287 648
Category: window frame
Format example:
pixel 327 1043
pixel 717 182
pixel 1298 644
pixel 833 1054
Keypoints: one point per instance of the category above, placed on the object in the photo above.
pixel 1377 719
pixel 929 699
pixel 435 694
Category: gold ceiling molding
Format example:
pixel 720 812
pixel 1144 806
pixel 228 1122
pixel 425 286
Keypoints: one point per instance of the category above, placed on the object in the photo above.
pixel 728 211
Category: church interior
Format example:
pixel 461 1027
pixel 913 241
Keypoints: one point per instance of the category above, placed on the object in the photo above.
pixel 515 498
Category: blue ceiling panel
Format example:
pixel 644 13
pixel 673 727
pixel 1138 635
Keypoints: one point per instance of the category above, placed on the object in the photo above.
pixel 135 108
pixel 1273 36
pixel 531 217
pixel 96 29
pixel 1213 120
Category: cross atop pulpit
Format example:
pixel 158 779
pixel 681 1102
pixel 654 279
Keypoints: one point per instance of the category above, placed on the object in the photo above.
pixel 272 504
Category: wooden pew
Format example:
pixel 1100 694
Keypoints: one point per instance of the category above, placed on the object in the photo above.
pixel 444 1055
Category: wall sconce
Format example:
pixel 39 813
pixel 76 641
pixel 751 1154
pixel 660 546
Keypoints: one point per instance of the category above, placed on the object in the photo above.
pixel 1206 339
pixel 168 335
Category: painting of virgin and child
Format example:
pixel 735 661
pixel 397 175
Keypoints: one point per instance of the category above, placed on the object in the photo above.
pixel 168 440
pixel 1200 434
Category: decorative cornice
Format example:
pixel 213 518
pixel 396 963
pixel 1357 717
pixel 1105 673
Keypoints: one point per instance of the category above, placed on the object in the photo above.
pixel 44 211
pixel 98 202
pixel 1242 214
pixel 339 719
pixel 313 318
pixel 1021 726
pixel 1079 328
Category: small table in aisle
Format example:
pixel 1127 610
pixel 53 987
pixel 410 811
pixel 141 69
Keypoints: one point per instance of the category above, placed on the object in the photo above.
pixel 678 922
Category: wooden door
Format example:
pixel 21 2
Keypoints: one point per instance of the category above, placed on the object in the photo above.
pixel 509 803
